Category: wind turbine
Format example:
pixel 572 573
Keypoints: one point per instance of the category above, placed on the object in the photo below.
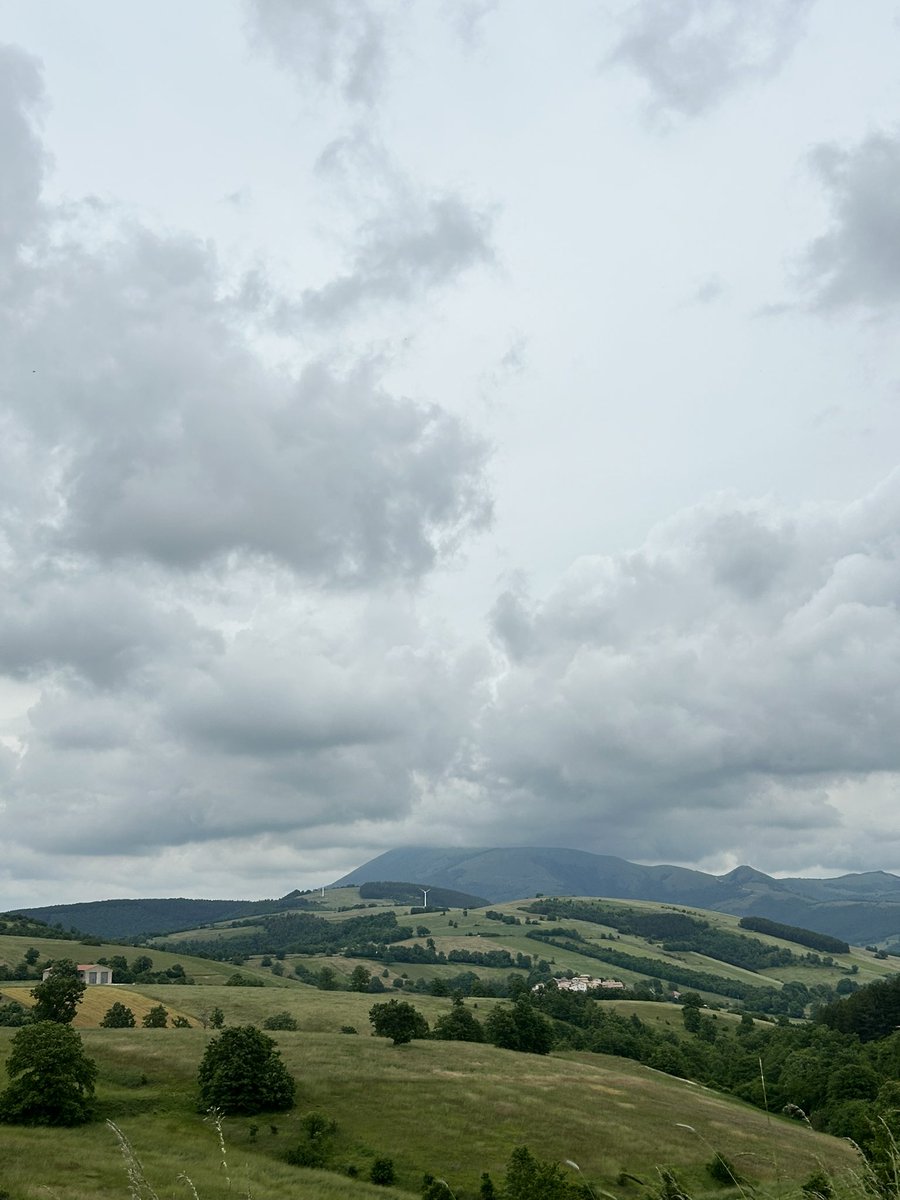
pixel 425 892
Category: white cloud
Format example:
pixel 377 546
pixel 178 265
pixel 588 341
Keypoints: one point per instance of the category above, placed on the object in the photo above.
pixel 693 53
pixel 338 44
pixel 726 679
pixel 857 261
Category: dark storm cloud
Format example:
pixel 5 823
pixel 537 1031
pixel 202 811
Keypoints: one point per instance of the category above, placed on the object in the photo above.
pixel 338 44
pixel 857 261
pixel 729 676
pixel 693 53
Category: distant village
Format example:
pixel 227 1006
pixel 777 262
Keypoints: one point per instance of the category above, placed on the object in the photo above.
pixel 584 983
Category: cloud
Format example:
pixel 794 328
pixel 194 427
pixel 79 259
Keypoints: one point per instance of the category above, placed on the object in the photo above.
pixel 340 44
pixel 422 243
pixel 735 678
pixel 24 161
pixel 209 562
pixel 693 53
pixel 857 261
pixel 141 424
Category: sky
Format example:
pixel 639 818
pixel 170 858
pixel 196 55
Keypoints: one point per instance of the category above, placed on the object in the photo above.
pixel 446 422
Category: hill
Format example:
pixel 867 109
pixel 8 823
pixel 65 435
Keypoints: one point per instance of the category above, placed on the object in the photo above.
pixel 861 909
pixel 452 1109
pixel 127 919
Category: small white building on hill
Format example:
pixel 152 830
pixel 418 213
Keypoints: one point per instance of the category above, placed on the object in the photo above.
pixel 90 973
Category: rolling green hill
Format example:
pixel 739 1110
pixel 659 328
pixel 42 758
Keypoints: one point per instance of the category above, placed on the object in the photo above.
pixel 451 1109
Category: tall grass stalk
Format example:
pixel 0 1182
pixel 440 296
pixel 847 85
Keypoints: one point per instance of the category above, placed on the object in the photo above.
pixel 716 1154
pixel 138 1183
pixel 214 1116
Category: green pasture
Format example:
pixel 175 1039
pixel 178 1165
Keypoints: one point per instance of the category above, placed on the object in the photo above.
pixel 454 1109
pixel 202 970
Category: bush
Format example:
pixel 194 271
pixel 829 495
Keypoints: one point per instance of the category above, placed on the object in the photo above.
pixel 14 1014
pixel 818 1187
pixel 280 1020
pixel 723 1171
pixel 51 1078
pixel 239 980
pixel 458 1025
pixel 118 1017
pixel 156 1018
pixel 382 1172
pixel 242 1072
pixel 399 1021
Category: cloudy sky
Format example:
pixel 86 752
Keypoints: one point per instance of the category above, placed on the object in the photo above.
pixel 446 422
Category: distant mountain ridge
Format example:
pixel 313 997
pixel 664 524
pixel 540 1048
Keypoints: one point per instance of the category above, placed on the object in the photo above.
pixel 859 908
pixel 139 918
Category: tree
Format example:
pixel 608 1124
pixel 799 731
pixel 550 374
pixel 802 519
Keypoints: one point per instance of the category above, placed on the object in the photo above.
pixel 242 1072
pixel 118 1017
pixel 327 979
pixel 156 1018
pixel 280 1020
pixel 59 995
pixel 458 1025
pixel 530 1178
pixel 382 1172
pixel 521 1027
pixel 51 1078
pixel 359 979
pixel 399 1021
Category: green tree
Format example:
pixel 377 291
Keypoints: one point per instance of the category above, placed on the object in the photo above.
pixel 529 1178
pixel 458 1025
pixel 327 979
pixel 382 1171
pixel 118 1017
pixel 51 1080
pixel 156 1018
pixel 59 995
pixel 242 1072
pixel 280 1020
pixel 521 1027
pixel 399 1021
pixel 359 979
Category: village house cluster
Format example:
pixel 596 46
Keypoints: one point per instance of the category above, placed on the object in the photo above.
pixel 584 983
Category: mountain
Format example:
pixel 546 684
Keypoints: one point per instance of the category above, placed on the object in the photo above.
pixel 861 908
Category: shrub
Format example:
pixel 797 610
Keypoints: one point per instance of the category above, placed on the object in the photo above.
pixel 722 1171
pixel 399 1021
pixel 242 1072
pixel 382 1172
pixel 280 1020
pixel 156 1018
pixel 118 1017
pixel 818 1187
pixel 13 1014
pixel 181 1023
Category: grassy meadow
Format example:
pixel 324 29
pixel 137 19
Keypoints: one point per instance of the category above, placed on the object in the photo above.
pixel 454 1109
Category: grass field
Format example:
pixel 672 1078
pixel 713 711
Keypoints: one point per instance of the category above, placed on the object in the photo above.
pixel 453 1109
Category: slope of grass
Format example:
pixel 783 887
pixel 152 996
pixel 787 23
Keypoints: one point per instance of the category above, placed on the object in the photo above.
pixel 201 970
pixel 453 1109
